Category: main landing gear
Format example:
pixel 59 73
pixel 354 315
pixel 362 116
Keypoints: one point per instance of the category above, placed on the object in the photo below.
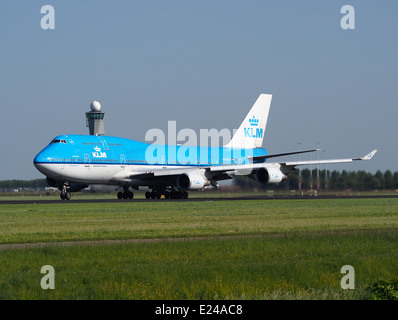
pixel 126 194
pixel 156 193
pixel 168 194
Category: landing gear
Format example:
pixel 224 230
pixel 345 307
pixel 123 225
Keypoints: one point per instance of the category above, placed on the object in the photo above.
pixel 155 193
pixel 126 194
pixel 179 194
pixel 67 188
pixel 65 194
pixel 167 193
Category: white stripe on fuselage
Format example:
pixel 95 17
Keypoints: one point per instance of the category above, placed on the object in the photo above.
pixel 97 173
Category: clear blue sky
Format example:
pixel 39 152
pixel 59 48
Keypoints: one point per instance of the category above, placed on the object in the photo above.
pixel 202 64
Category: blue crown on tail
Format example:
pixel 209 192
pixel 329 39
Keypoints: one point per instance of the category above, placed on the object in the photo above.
pixel 254 121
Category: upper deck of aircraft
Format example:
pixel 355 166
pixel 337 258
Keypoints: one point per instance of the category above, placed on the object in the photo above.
pixel 115 150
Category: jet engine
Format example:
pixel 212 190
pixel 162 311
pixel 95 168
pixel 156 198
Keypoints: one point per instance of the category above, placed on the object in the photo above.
pixel 192 181
pixel 269 175
pixel 51 182
pixel 75 187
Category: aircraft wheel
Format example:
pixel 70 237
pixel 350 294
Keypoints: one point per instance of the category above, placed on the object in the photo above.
pixel 147 195
pixel 62 195
pixel 120 195
pixel 185 195
pixel 167 195
pixel 68 196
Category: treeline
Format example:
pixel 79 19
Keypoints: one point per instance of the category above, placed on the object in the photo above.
pixel 35 184
pixel 323 180
pixel 328 180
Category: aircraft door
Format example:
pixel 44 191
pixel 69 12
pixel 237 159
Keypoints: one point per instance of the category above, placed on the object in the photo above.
pixel 87 160
pixel 122 161
pixel 164 161
pixel 104 143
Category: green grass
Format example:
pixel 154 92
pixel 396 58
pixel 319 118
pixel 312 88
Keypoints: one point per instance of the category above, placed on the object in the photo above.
pixel 73 222
pixel 269 249
pixel 283 266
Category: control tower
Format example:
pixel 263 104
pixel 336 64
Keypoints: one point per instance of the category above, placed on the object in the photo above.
pixel 95 119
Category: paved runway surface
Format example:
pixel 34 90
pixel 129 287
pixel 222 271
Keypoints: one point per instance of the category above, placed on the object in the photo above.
pixel 195 199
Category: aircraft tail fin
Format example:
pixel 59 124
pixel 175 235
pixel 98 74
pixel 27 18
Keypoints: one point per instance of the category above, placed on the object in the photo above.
pixel 251 132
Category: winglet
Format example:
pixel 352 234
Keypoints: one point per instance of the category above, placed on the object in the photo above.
pixel 369 155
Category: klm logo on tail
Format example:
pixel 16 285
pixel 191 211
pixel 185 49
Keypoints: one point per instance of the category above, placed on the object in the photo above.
pixel 252 131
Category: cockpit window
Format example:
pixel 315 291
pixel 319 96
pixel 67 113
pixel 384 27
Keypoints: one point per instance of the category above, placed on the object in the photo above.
pixel 58 141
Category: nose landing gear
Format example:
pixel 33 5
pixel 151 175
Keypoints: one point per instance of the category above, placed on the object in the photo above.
pixel 65 194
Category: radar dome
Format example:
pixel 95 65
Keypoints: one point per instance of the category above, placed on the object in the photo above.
pixel 95 106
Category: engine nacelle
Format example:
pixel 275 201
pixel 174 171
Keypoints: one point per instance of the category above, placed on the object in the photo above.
pixel 192 181
pixel 270 175
pixel 75 187
pixel 51 182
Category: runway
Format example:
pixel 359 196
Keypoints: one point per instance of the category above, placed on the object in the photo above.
pixel 237 198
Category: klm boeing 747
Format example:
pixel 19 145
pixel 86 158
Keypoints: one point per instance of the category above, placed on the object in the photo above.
pixel 73 162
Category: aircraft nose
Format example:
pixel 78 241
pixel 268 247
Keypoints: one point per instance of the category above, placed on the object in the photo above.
pixel 40 161
pixel 40 158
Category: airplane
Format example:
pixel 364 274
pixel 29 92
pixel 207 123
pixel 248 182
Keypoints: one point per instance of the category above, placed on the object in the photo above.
pixel 73 162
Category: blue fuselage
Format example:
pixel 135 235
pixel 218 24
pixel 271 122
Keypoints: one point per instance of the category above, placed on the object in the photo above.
pixel 82 149
pixel 99 159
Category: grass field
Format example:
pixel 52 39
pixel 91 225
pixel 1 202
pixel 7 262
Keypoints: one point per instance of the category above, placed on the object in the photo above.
pixel 199 250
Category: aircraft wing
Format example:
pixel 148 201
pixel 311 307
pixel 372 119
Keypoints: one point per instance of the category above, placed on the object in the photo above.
pixel 241 168
pixel 164 172
pixel 331 161
pixel 283 166
pixel 269 156
pixel 278 170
